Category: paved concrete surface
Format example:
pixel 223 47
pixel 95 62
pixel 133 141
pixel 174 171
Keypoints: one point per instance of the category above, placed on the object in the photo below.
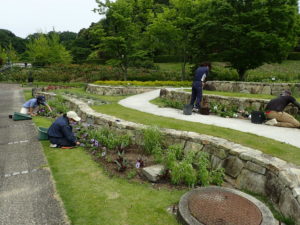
pixel 141 102
pixel 27 193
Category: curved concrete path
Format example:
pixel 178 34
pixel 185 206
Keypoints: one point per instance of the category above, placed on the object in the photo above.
pixel 27 192
pixel 141 102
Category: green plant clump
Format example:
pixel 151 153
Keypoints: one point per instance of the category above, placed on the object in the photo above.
pixel 152 140
pixel 191 168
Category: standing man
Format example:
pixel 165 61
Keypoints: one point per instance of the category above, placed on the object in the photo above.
pixel 274 111
pixel 198 84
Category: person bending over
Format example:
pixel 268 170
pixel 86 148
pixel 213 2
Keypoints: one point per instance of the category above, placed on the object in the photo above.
pixel 200 74
pixel 31 106
pixel 274 111
pixel 60 132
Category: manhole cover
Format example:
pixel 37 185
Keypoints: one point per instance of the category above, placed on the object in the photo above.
pixel 222 206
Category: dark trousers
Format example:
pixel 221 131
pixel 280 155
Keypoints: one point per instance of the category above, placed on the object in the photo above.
pixel 196 95
pixel 61 142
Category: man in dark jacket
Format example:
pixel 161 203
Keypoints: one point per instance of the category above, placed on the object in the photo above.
pixel 60 132
pixel 198 83
pixel 274 111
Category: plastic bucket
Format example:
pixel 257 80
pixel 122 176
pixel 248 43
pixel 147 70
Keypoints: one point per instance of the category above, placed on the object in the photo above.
pixel 21 116
pixel 187 109
pixel 43 133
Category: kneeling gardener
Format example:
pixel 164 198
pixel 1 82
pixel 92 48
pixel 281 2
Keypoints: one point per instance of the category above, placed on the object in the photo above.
pixel 31 106
pixel 274 111
pixel 60 132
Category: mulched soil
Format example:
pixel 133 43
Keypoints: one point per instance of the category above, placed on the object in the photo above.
pixel 132 155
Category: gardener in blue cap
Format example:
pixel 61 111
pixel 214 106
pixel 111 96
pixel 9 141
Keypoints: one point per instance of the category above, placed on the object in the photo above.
pixel 31 106
pixel 60 132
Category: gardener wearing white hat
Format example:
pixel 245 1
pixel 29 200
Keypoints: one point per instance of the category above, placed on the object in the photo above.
pixel 60 132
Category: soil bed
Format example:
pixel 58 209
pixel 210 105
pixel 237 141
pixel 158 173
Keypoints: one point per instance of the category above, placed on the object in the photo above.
pixel 132 155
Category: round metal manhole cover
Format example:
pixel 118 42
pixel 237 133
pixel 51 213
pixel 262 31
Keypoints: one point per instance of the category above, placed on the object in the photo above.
pixel 216 207
pixel 222 206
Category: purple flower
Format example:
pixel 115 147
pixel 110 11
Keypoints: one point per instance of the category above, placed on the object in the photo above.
pixel 137 165
pixel 96 143
pixel 92 140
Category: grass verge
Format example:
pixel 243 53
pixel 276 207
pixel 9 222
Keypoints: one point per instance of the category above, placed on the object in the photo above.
pixel 91 197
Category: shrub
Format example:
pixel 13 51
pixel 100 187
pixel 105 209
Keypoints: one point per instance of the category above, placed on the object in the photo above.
pixel 57 104
pixel 223 73
pixel 152 140
pixel 191 168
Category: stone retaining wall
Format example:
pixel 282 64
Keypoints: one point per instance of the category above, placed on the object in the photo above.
pixel 245 168
pixel 241 103
pixel 252 87
pixel 117 90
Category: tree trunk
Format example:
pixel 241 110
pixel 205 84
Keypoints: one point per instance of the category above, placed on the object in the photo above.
pixel 183 70
pixel 241 72
pixel 183 64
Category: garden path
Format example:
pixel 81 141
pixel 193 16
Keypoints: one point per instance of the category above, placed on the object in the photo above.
pixel 141 102
pixel 27 192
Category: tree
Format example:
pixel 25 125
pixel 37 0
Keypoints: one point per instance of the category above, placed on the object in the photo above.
pixel 8 38
pixel 121 41
pixel 45 51
pixel 245 33
pixel 3 56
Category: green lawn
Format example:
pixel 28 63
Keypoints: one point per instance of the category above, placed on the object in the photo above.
pixel 92 197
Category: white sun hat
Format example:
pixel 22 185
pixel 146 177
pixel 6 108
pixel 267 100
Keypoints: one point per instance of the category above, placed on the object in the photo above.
pixel 73 115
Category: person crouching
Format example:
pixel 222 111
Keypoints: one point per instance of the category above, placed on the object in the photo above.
pixel 31 106
pixel 60 132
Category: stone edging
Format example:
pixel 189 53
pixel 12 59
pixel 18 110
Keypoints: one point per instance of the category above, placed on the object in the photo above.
pixel 241 103
pixel 117 90
pixel 251 87
pixel 245 168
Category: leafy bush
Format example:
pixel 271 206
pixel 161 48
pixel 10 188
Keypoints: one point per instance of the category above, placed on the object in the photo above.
pixel 223 73
pixel 152 140
pixel 57 105
pixel 191 168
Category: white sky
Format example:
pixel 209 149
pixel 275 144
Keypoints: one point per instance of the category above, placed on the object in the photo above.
pixel 24 17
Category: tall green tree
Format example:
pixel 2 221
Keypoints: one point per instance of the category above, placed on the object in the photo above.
pixel 245 33
pixel 123 29
pixel 47 50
